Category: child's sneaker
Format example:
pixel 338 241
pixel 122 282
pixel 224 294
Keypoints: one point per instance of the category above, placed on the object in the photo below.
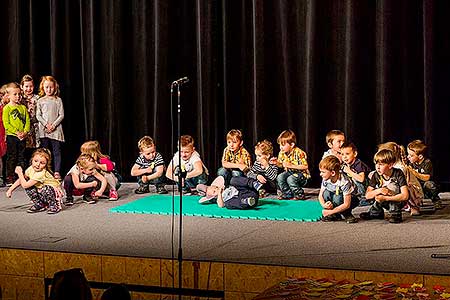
pixel 331 218
pixel 285 197
pixel 2 182
pixel 161 190
pixel 35 209
pixel 53 211
pixel 257 185
pixel 350 219
pixel 69 200
pixel 262 193
pixel 89 199
pixel 142 189
pixel 300 197
pixel 395 219
pixel 187 191
pixel 250 201
pixel 113 195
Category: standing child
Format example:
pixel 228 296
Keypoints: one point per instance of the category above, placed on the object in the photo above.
pixel 3 101
pixel 263 169
pixel 50 113
pixel 334 140
pixel 422 168
pixel 83 179
pixel 337 193
pixel 149 167
pixel 39 184
pixel 104 165
pixel 242 193
pixel 29 99
pixel 191 164
pixel 17 125
pixel 295 173
pixel 236 160
pixel 354 168
pixel 388 187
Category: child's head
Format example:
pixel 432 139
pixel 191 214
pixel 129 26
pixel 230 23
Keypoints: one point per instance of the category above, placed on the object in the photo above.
pixel 384 161
pixel 263 150
pixel 211 192
pixel 329 167
pixel 349 152
pixel 287 140
pixel 392 146
pixel 234 139
pixel 92 148
pixel 186 146
pixel 147 147
pixel 41 159
pixel 86 164
pixel 417 151
pixel 13 92
pixel 335 139
pixel 27 85
pixel 3 95
pixel 48 86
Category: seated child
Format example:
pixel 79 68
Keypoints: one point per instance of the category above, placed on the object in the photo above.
pixel 191 165
pixel 354 168
pixel 105 166
pixel 263 169
pixel 149 167
pixel 337 195
pixel 334 139
pixel 3 101
pixel 39 183
pixel 84 179
pixel 422 168
pixel 242 193
pixel 236 160
pixel 388 187
pixel 295 173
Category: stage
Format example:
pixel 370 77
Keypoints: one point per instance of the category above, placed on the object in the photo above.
pixel 367 245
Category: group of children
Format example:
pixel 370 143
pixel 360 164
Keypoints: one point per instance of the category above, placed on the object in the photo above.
pixel 400 181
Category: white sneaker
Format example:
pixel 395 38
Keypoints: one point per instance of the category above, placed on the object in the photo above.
pixel 251 201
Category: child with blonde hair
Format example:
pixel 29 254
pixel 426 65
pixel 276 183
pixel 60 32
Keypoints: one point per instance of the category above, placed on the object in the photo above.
pixel 334 139
pixel 29 99
pixel 236 160
pixel 337 195
pixel 3 101
pixel 104 165
pixel 263 169
pixel 84 179
pixel 191 165
pixel 50 114
pixel 17 125
pixel 295 173
pixel 39 183
pixel 149 167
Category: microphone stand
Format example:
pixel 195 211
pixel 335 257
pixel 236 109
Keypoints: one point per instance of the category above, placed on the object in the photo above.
pixel 181 177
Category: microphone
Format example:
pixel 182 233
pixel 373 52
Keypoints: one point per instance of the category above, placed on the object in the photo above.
pixel 181 81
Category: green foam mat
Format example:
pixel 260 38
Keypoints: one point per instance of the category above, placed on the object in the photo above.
pixel 267 209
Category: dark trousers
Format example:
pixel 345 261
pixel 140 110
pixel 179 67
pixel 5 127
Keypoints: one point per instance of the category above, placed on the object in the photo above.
pixel 394 208
pixel 55 148
pixel 71 191
pixel 15 155
pixel 227 174
pixel 246 190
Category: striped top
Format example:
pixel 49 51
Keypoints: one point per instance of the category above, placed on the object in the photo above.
pixel 257 169
pixel 143 163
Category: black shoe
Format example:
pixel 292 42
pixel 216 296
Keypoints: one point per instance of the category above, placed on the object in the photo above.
pixel 35 209
pixel 142 189
pixel 350 219
pixel 187 191
pixel 69 200
pixel 89 199
pixel 368 216
pixel 161 190
pixel 395 219
pixel 300 197
pixel 331 218
pixel 437 204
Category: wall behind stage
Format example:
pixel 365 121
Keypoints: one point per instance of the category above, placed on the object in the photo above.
pixel 378 70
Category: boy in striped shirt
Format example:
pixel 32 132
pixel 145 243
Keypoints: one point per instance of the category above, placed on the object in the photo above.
pixel 263 169
pixel 149 167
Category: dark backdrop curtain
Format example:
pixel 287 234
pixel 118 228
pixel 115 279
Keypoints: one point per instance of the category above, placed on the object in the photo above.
pixel 378 70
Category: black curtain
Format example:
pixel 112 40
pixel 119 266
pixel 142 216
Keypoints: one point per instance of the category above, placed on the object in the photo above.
pixel 378 70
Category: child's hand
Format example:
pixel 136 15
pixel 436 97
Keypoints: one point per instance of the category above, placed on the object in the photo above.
pixel 328 205
pixel 18 170
pixel 286 164
pixel 149 170
pixel 94 184
pixel 380 198
pixel 384 191
pixel 273 161
pixel 97 193
pixel 326 212
pixel 261 178
pixel 8 193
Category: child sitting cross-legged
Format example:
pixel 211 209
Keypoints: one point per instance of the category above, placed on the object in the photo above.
pixel 242 193
pixel 337 193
